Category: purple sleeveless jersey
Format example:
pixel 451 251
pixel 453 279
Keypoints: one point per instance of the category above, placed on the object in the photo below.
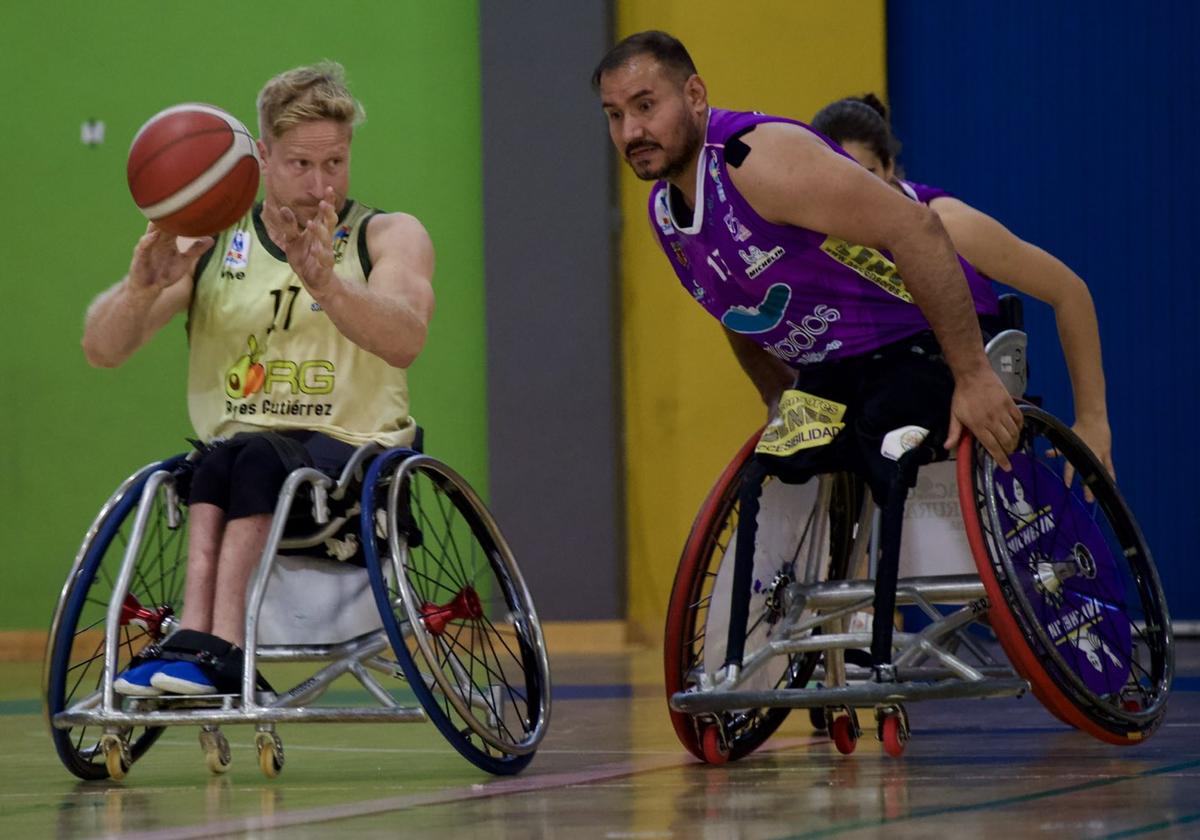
pixel 804 296
pixel 923 192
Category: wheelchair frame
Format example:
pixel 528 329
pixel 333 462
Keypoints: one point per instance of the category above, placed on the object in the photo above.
pixel 925 665
pixel 811 616
pixel 356 656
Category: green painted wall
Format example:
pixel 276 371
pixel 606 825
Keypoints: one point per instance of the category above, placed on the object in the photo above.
pixel 70 433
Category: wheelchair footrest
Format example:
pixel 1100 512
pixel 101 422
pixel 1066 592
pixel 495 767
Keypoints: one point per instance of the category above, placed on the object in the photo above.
pixel 860 694
pixel 201 716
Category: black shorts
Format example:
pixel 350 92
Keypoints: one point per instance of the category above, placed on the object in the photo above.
pixel 243 475
pixel 902 384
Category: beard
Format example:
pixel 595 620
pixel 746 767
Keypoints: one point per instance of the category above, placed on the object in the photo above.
pixel 675 164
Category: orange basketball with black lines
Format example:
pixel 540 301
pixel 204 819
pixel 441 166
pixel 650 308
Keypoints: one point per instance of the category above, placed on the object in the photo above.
pixel 193 170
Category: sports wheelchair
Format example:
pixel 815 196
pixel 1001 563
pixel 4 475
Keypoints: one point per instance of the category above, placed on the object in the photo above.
pixel 1047 558
pixel 440 604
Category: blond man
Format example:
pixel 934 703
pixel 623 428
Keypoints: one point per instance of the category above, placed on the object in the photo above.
pixel 302 320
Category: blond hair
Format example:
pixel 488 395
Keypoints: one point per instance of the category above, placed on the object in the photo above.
pixel 315 92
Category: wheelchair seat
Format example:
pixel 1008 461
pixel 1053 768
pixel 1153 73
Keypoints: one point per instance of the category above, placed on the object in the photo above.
pixel 316 601
pixel 1006 351
pixel 1007 346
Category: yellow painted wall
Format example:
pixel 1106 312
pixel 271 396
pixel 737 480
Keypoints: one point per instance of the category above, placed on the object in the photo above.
pixel 688 406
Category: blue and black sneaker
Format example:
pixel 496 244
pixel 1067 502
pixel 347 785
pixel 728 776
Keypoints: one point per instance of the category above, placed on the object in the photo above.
pixel 182 677
pixel 136 681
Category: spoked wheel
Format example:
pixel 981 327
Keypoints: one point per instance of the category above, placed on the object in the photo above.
pixel 74 668
pixel 798 539
pixel 1076 601
pixel 457 611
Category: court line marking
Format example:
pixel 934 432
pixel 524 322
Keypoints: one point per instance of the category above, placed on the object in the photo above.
pixel 1002 802
pixel 502 787
pixel 1162 825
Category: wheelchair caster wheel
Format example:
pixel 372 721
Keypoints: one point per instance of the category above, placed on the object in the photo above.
pixel 117 759
pixel 217 756
pixel 844 733
pixel 716 750
pixel 817 718
pixel 894 733
pixel 270 753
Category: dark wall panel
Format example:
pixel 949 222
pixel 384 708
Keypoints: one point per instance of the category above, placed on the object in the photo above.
pixel 553 388
pixel 1076 124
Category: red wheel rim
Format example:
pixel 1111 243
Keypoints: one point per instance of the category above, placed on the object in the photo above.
pixel 680 610
pixel 1012 640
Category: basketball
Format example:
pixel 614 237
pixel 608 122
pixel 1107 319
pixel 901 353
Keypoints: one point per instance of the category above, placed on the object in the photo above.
pixel 193 170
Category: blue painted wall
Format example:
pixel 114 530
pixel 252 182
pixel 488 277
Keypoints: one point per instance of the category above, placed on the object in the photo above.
pixel 1076 125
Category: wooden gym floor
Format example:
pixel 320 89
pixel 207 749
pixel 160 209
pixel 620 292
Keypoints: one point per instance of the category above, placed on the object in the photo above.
pixel 611 768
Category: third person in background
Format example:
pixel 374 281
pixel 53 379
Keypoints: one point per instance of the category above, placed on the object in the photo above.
pixel 860 126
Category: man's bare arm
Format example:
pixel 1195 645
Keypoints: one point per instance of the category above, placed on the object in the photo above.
pixel 792 177
pixel 159 284
pixel 389 315
pixel 997 252
pixel 771 376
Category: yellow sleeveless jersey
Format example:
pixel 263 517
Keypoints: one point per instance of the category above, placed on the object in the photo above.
pixel 264 356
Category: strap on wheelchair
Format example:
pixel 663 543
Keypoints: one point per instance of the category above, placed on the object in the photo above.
pixel 743 560
pixel 221 660
pixel 888 570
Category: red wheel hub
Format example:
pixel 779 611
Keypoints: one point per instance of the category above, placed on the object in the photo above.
pixel 150 620
pixel 466 604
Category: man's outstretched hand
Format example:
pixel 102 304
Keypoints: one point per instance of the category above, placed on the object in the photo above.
pixel 158 263
pixel 982 404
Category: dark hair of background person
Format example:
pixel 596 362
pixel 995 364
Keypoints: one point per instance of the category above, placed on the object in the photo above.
pixel 859 119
